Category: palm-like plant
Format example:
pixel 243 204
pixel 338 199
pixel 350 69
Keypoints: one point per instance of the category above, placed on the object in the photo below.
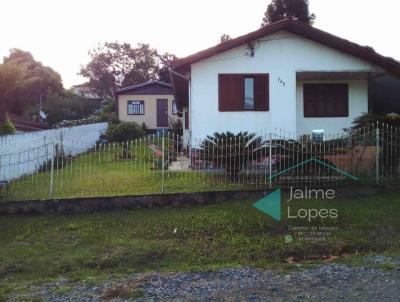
pixel 232 152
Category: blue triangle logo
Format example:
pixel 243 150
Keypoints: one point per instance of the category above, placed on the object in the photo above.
pixel 270 204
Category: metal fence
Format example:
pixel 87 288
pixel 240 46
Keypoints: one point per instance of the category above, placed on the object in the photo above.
pixel 162 163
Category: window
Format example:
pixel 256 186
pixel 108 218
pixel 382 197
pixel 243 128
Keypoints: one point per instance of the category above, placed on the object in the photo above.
pixel 249 93
pixel 135 107
pixel 174 108
pixel 326 100
pixel 242 92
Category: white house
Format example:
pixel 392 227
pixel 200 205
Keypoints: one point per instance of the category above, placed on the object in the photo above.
pixel 86 91
pixel 287 75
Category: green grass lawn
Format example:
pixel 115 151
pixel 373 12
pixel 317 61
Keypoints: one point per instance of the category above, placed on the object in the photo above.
pixel 103 172
pixel 35 249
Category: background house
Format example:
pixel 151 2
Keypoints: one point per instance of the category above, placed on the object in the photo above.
pixel 86 91
pixel 287 76
pixel 150 103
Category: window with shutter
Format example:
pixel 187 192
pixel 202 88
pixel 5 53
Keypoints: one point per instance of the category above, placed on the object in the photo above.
pixel 243 92
pixel 326 100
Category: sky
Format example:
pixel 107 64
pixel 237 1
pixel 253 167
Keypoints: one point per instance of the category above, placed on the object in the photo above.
pixel 59 33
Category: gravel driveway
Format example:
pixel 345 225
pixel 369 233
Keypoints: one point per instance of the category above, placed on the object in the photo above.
pixel 379 281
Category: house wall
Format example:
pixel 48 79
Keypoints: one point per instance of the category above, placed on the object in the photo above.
pixel 150 109
pixel 281 55
pixel 358 104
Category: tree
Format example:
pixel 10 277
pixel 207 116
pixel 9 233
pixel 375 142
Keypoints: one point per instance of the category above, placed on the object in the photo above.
pixel 163 67
pixel 225 38
pixel 35 80
pixel 280 9
pixel 114 65
pixel 10 81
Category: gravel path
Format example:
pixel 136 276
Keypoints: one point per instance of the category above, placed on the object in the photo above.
pixel 379 281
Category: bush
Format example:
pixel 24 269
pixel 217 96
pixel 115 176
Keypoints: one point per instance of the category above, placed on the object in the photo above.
pixel 59 108
pixel 232 151
pixel 175 126
pixel 123 132
pixel 7 128
pixel 368 119
pixel 108 113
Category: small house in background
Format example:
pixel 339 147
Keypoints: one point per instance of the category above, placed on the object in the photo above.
pixel 151 103
pixel 84 90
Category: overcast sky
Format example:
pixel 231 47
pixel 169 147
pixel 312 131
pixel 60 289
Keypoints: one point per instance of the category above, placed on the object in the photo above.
pixel 59 33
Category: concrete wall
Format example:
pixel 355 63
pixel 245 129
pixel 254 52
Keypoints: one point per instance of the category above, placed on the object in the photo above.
pixel 281 55
pixel 22 154
pixel 150 109
pixel 358 103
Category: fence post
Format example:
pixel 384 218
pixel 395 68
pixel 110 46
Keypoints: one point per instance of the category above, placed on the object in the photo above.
pixel 162 162
pixel 52 171
pixel 377 156
pixel 270 160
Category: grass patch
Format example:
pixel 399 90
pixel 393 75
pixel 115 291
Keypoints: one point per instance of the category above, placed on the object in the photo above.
pixel 104 172
pixel 231 234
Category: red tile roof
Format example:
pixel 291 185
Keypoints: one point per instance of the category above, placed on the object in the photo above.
pixel 301 29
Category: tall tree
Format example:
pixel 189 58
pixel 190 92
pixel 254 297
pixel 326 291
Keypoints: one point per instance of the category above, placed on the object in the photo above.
pixel 35 80
pixel 10 80
pixel 114 65
pixel 280 9
pixel 163 66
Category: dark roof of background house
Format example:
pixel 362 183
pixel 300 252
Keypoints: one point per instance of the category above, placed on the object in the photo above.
pixel 151 87
pixel 301 29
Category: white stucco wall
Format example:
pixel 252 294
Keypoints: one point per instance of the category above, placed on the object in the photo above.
pixel 281 55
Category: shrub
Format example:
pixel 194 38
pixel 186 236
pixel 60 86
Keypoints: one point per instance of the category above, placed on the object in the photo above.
pixel 232 151
pixel 7 128
pixel 66 110
pixel 108 113
pixel 368 119
pixel 123 132
pixel 175 126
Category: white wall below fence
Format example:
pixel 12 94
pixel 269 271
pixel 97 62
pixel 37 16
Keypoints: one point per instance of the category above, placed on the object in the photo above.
pixel 23 154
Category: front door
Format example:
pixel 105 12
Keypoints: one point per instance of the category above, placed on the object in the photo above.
pixel 162 113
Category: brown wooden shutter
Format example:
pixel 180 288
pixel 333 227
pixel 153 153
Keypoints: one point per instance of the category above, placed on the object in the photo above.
pixel 230 92
pixel 342 95
pixel 326 100
pixel 261 92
